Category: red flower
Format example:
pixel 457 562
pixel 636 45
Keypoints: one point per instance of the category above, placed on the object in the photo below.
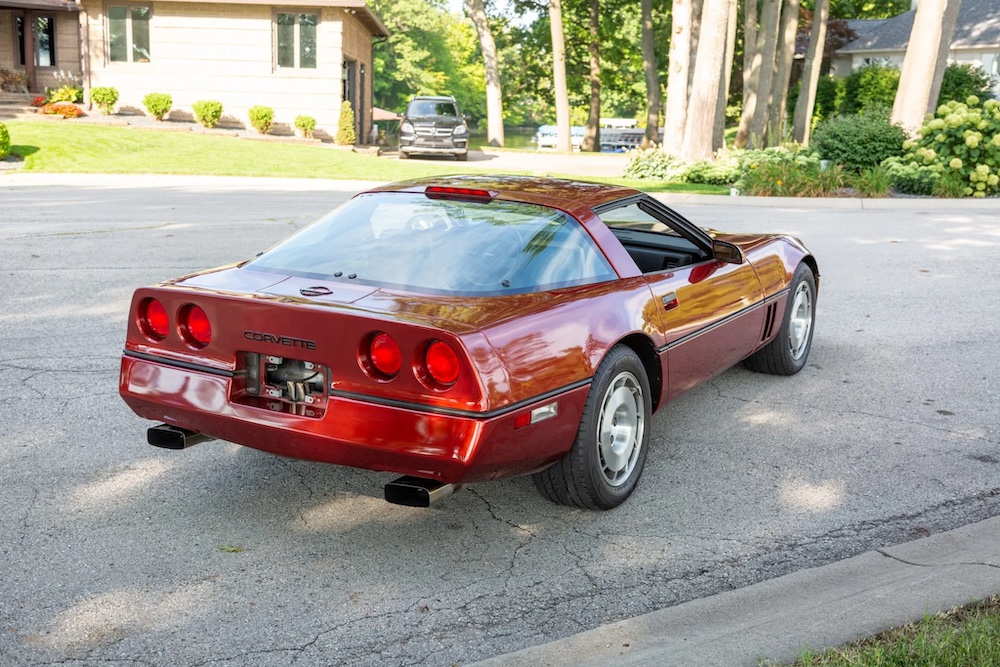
pixel 38 101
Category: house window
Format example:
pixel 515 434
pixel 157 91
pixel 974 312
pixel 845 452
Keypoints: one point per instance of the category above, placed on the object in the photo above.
pixel 44 40
pixel 128 33
pixel 295 38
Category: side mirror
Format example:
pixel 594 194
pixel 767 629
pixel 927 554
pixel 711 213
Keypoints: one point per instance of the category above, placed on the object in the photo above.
pixel 727 252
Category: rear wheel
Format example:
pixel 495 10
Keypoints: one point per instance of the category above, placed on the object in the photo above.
pixel 604 465
pixel 786 354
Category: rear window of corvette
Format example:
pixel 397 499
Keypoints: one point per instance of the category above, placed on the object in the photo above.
pixel 409 241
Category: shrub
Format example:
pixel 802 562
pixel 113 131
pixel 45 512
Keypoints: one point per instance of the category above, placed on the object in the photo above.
pixel 307 125
pixel 961 81
pixel 867 87
pixel 261 118
pixel 13 82
pixel 66 93
pixel 39 101
pixel 871 181
pixel 104 97
pixel 345 127
pixel 910 178
pixel 207 112
pixel 859 141
pixel 723 171
pixel 961 143
pixel 158 104
pixel 654 163
pixel 61 109
pixel 826 98
pixel 789 179
pixel 4 141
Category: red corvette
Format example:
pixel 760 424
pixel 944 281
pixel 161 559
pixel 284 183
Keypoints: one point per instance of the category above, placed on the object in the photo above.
pixel 464 329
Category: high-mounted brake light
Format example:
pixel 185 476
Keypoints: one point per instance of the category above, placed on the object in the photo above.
pixel 441 363
pixel 384 354
pixel 195 327
pixel 153 319
pixel 446 192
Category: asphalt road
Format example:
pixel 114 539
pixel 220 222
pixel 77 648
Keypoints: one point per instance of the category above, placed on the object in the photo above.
pixel 116 553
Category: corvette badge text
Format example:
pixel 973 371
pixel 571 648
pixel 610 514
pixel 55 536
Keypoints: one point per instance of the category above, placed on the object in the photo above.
pixel 280 340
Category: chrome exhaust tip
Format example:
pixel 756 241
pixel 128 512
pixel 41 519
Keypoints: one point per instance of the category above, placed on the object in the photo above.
pixel 174 437
pixel 418 491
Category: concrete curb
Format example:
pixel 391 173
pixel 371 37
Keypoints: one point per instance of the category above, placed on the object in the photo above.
pixel 817 608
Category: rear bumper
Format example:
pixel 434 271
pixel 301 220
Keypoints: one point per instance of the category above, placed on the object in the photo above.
pixel 354 432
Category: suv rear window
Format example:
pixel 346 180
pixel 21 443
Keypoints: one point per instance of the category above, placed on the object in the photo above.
pixel 431 108
pixel 463 247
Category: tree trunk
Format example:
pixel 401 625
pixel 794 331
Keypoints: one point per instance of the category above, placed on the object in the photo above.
pixel 749 43
pixel 592 133
pixel 675 117
pixel 806 103
pixel 696 14
pixel 494 95
pixel 719 133
pixel 652 135
pixel 564 141
pixel 783 66
pixel 705 83
pixel 947 34
pixel 754 117
pixel 913 97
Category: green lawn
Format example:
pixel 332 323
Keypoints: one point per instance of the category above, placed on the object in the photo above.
pixel 72 147
pixel 965 637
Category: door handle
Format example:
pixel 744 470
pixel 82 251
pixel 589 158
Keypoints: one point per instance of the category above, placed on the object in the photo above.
pixel 670 301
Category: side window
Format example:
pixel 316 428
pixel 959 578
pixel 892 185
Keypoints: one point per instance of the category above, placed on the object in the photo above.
pixel 650 241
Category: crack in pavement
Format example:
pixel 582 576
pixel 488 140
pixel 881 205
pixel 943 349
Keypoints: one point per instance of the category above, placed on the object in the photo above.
pixel 906 562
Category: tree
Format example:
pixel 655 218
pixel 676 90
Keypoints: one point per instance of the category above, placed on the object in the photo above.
pixel 705 83
pixel 913 97
pixel 564 140
pixel 652 134
pixel 592 133
pixel 947 34
pixel 806 102
pixel 494 94
pixel 755 108
pixel 719 132
pixel 675 118
pixel 783 70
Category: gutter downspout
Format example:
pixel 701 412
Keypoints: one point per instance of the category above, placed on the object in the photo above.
pixel 85 51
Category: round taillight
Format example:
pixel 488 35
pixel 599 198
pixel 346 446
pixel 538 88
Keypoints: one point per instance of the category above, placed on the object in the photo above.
pixel 195 326
pixel 385 355
pixel 153 319
pixel 442 363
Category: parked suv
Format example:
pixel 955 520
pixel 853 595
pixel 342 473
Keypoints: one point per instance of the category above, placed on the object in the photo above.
pixel 433 125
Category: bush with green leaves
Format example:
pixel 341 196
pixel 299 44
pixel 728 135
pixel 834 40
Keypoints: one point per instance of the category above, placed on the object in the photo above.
pixel 909 177
pixel 869 87
pixel 65 93
pixel 654 164
pixel 207 112
pixel 345 127
pixel 962 144
pixel 261 117
pixel 960 81
pixel 4 141
pixel 800 176
pixel 158 104
pixel 104 97
pixel 859 141
pixel 724 170
pixel 306 125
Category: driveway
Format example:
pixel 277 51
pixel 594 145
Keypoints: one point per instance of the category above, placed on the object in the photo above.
pixel 114 552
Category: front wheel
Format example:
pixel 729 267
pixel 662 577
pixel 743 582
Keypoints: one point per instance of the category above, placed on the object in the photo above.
pixel 604 465
pixel 786 354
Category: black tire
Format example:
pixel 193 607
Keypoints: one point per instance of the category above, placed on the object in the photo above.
pixel 403 156
pixel 787 353
pixel 587 477
pixel 462 157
